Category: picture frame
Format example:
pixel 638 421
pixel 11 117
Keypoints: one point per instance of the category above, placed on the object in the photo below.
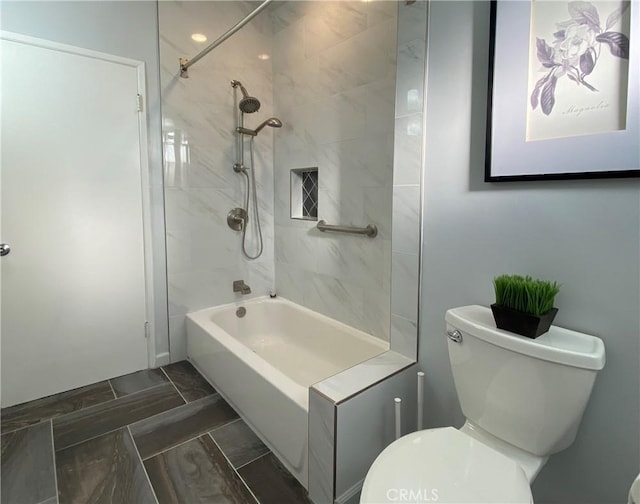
pixel 523 107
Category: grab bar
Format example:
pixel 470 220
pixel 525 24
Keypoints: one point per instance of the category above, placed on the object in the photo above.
pixel 371 231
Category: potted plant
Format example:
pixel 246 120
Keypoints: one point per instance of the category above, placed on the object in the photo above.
pixel 524 305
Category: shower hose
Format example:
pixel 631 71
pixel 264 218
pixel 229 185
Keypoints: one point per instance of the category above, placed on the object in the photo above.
pixel 253 195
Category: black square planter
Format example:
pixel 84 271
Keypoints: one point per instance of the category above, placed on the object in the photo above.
pixel 522 323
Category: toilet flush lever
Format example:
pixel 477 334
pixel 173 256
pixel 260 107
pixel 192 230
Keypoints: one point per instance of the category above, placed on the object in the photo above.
pixel 455 336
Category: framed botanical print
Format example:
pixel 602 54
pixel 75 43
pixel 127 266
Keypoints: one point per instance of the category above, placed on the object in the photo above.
pixel 563 90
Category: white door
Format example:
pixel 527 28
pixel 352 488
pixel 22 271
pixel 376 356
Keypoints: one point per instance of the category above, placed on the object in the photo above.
pixel 73 286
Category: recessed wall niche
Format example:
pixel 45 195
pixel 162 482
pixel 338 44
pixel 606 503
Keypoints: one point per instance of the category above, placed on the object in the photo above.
pixel 304 193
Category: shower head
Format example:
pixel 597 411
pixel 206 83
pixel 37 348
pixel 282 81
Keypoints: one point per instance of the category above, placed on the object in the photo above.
pixel 248 104
pixel 272 122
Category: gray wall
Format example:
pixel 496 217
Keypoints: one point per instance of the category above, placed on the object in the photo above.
pixel 128 29
pixel 585 234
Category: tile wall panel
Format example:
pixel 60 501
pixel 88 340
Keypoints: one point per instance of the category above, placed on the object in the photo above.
pixel 408 166
pixel 203 253
pixel 334 88
pixel 331 79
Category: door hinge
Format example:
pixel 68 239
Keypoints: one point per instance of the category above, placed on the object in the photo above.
pixel 146 329
pixel 140 102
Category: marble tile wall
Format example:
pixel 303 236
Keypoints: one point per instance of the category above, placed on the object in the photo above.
pixel 322 415
pixel 365 425
pixel 408 163
pixel 334 87
pixel 203 253
pixel 331 79
pixel 353 411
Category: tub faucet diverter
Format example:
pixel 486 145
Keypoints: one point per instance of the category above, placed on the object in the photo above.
pixel 240 286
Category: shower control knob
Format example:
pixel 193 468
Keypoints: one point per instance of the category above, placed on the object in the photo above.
pixel 4 249
pixel 237 218
pixel 455 336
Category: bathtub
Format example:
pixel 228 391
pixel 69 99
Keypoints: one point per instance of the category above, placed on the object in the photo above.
pixel 264 363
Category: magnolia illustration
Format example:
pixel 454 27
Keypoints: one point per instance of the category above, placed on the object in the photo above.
pixel 575 50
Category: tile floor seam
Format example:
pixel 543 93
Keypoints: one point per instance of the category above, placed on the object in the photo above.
pixel 162 413
pixel 56 416
pixel 177 445
pixel 171 409
pixel 174 385
pixel 144 469
pixel 27 426
pixel 113 391
pixel 234 469
pixel 55 466
pixel 253 460
pixel 92 438
pixel 100 405
pixel 116 428
pixel 113 430
pixel 227 424
pixel 206 378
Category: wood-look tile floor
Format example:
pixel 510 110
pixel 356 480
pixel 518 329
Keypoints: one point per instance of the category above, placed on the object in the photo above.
pixel 154 436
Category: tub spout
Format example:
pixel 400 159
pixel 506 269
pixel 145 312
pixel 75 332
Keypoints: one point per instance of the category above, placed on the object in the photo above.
pixel 240 286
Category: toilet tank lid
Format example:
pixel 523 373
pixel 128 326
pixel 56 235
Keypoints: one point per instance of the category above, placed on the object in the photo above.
pixel 559 345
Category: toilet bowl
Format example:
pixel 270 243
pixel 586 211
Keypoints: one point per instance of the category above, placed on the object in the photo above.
pixel 523 400
pixel 444 465
pixel 634 491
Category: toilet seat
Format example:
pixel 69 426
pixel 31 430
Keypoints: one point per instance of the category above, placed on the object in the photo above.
pixel 445 466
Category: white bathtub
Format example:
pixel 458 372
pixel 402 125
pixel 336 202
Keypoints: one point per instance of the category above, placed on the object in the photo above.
pixel 265 362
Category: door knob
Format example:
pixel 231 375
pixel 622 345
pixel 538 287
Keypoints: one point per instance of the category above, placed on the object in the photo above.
pixel 4 249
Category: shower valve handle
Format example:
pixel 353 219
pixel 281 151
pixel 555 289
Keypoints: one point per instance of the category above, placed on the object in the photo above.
pixel 237 219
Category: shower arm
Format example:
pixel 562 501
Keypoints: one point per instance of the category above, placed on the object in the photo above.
pixel 186 63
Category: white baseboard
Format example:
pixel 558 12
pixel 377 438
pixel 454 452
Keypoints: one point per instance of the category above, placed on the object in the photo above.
pixel 350 493
pixel 163 359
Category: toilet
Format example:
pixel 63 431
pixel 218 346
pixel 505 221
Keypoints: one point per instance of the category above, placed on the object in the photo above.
pixel 523 400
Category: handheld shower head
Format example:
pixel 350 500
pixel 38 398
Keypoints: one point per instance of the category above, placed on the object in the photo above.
pixel 272 122
pixel 248 104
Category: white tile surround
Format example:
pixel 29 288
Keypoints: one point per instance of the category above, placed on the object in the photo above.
pixel 332 80
pixel 351 422
pixel 359 442
pixel 367 390
pixel 334 69
pixel 407 173
pixel 203 253
pixel 322 416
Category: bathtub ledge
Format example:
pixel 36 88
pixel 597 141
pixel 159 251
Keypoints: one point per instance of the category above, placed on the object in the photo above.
pixel 352 381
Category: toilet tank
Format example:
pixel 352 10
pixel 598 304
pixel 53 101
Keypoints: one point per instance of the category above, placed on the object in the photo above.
pixel 529 392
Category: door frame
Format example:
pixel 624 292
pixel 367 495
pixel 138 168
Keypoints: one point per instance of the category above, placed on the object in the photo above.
pixel 150 330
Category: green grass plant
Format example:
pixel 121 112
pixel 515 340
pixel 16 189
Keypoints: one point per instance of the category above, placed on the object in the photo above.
pixel 525 294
